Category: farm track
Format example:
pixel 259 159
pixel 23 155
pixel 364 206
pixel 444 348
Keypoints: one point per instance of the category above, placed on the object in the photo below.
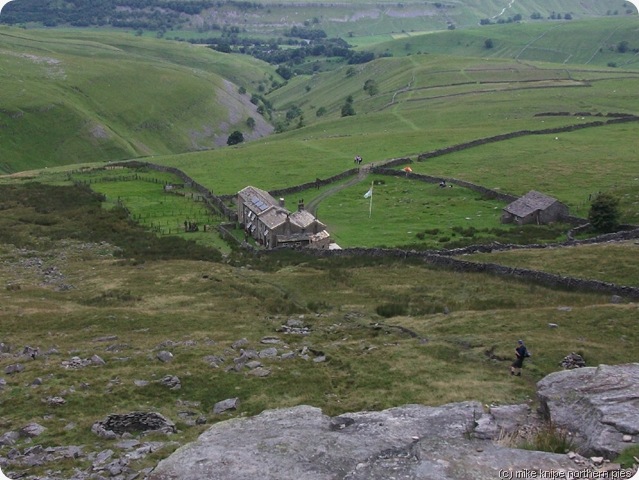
pixel 360 177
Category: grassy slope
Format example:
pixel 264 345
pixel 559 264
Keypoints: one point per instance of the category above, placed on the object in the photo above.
pixel 73 97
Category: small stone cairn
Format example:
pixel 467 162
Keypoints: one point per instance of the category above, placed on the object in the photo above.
pixel 573 361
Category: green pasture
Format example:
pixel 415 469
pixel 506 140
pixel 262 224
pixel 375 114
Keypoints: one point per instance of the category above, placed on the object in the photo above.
pixel 571 166
pixel 163 213
pixel 401 209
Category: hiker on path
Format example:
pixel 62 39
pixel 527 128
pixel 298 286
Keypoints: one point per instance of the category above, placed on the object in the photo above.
pixel 521 352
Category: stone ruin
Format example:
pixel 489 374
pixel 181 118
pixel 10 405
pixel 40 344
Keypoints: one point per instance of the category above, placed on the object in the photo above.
pixel 115 425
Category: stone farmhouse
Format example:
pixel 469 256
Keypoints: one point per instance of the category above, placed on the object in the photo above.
pixel 272 225
pixel 534 207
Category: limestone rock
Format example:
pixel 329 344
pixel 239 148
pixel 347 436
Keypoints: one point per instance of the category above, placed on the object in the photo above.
pixel 599 404
pixel 409 442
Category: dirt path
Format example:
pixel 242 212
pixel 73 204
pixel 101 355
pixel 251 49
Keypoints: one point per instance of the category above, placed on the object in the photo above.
pixel 364 170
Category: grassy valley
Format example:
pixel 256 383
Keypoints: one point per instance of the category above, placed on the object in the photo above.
pixel 97 262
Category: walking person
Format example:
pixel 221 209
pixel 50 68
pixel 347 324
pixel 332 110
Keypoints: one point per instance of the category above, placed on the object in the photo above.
pixel 521 352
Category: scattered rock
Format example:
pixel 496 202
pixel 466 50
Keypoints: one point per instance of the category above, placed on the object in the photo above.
pixel 268 353
pixel 616 299
pixel 225 405
pixel 214 361
pixel 76 363
pixel 9 438
pixel 97 360
pixel 30 352
pixel 140 383
pixel 552 325
pixel 107 338
pixel 627 438
pixel 171 381
pixel 239 343
pixel 260 372
pixel 164 356
pixel 32 430
pixel 270 340
pixel 15 368
pixel 55 401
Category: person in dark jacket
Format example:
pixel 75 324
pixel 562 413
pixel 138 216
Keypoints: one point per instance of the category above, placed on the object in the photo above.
pixel 521 352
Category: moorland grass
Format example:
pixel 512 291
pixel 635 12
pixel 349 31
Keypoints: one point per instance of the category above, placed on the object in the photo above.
pixel 581 261
pixel 196 308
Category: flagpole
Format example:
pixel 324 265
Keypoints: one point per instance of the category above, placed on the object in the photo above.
pixel 370 208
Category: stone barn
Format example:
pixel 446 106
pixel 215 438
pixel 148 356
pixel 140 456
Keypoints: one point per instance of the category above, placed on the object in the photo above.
pixel 272 225
pixel 534 207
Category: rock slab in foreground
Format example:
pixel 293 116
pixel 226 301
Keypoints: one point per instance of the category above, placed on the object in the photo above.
pixel 599 404
pixel 408 442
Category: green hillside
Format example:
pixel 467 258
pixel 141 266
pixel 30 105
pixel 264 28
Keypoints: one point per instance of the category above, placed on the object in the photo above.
pixel 588 42
pixel 77 97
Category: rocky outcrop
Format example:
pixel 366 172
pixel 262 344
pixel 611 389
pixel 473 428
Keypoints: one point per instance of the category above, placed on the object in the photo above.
pixel 408 442
pixel 599 404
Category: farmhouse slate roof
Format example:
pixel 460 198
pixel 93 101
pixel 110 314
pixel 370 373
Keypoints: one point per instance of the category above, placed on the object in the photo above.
pixel 303 218
pixel 256 199
pixel 531 202
pixel 274 217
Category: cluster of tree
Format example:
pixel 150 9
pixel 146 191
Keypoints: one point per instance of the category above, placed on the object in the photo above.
pixel 295 52
pixel 518 18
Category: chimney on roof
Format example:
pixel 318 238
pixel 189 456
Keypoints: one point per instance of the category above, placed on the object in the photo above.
pixel 282 202
pixel 300 205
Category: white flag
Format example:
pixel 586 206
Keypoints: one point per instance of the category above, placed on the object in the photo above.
pixel 369 193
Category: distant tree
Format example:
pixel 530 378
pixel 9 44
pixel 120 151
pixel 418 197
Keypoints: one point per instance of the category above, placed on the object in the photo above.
pixel 293 112
pixel 235 138
pixel 488 43
pixel 242 90
pixel 348 109
pixel 371 87
pixel 622 47
pixel 517 17
pixel 485 21
pixel 250 123
pixel 567 16
pixel 350 71
pixel 320 112
pixel 285 72
pixel 604 213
